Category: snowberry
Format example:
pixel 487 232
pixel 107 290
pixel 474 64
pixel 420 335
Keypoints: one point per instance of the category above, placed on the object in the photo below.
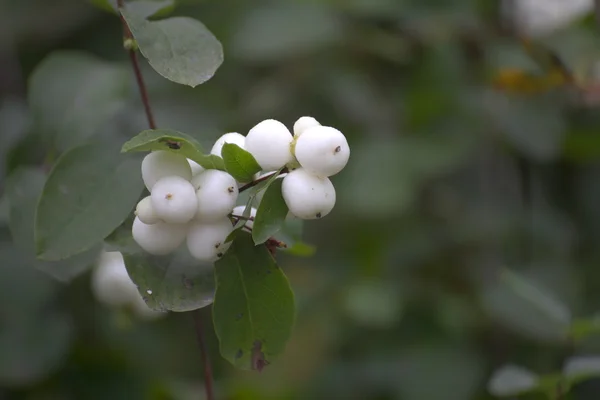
pixel 239 211
pixel 111 283
pixel 158 239
pixel 206 241
pixel 216 192
pixel 195 167
pixel 269 142
pixel 174 200
pixel 233 138
pixel 145 211
pixel 303 123
pixel 322 151
pixel 159 164
pixel 308 196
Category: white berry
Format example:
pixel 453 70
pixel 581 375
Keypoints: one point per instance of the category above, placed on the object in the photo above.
pixel 239 211
pixel 303 123
pixel 216 193
pixel 322 151
pixel 308 196
pixel 195 167
pixel 269 142
pixel 158 239
pixel 174 200
pixel 111 283
pixel 145 211
pixel 233 138
pixel 206 241
pixel 158 164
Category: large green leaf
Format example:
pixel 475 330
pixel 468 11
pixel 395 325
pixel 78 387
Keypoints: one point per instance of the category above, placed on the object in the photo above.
pixel 173 141
pixel 254 309
pixel 270 214
pixel 239 163
pixel 176 282
pixel 24 187
pixel 70 108
pixel 90 191
pixel 181 49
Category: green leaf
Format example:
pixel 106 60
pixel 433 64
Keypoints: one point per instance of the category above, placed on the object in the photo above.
pixel 239 225
pixel 90 191
pixel 239 163
pixel 520 305
pixel 176 282
pixel 254 307
pixel 585 327
pixel 291 235
pixel 146 8
pixel 512 380
pixel 173 141
pixel 270 214
pixel 24 187
pixel 181 49
pixel 71 108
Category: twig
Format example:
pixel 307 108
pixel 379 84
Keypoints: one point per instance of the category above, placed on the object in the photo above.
pixel 261 179
pixel 208 375
pixel 136 70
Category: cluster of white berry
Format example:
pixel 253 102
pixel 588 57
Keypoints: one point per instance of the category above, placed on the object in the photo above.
pixel 112 286
pixel 190 204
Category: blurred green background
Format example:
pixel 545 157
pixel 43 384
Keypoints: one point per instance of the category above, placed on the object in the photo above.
pixel 450 185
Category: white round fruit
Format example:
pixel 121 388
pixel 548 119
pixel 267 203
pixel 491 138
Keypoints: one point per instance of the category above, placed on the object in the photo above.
pixel 216 194
pixel 145 211
pixel 308 196
pixel 195 167
pixel 239 210
pixel 111 283
pixel 174 200
pixel 162 163
pixel 206 241
pixel 303 123
pixel 269 142
pixel 322 151
pixel 158 239
pixel 232 137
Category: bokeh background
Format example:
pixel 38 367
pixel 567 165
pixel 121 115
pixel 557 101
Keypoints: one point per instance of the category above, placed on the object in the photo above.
pixel 465 235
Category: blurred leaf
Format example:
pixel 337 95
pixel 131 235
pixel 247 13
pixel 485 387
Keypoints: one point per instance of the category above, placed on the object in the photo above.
pixel 512 380
pixel 254 308
pixel 181 49
pixel 145 8
pixel 239 163
pixel 90 191
pixel 33 349
pixel 14 122
pixel 175 142
pixel 291 234
pixel 71 107
pixel 285 29
pixel 271 213
pixel 517 303
pixel 584 327
pixel 24 187
pixel 374 303
pixel 524 82
pixel 581 368
pixel 176 282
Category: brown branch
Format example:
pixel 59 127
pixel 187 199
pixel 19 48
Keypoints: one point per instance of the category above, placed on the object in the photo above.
pixel 136 70
pixel 128 37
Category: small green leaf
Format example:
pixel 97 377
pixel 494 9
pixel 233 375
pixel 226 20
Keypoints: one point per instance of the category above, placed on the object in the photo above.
pixel 181 49
pixel 24 187
pixel 254 309
pixel 584 327
pixel 71 108
pixel 512 380
pixel 146 8
pixel 173 141
pixel 291 235
pixel 176 282
pixel 242 221
pixel 239 163
pixel 271 213
pixel 90 191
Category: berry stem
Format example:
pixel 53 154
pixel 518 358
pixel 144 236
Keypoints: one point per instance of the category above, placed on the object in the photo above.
pixel 196 315
pixel 261 179
pixel 136 69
